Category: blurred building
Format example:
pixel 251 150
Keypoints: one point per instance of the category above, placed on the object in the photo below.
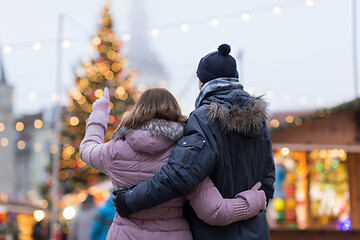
pixel 150 70
pixel 33 153
pixel 317 157
pixel 7 147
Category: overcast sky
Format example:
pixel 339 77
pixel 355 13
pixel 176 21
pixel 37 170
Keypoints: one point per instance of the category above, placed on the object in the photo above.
pixel 301 58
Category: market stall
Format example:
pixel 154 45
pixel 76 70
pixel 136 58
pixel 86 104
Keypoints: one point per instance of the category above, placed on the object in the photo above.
pixel 317 159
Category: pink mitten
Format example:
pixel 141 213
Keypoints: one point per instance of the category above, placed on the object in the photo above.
pixel 102 104
pixel 255 199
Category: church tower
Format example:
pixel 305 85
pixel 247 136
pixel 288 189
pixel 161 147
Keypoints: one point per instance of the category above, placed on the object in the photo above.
pixel 7 145
pixel 141 57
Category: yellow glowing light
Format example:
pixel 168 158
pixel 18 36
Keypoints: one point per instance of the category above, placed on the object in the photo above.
pixel 274 123
pixel 7 49
pixel 74 121
pixel 39 215
pixel 155 32
pixel 298 122
pixel 84 82
pixel 70 149
pixel 99 93
pixel 215 22
pixel 124 96
pixel 111 105
pixel 96 41
pixel 21 144
pixel 43 204
pixel 54 148
pixel 82 100
pixel 109 75
pixel 285 151
pixel 37 147
pixel 82 196
pixel 116 67
pixel 185 27
pixel 69 213
pixel 38 123
pixel 2 127
pixel 245 16
pixel 4 142
pixel 19 126
pixel 277 10
pixel 77 95
pixel 289 119
pixel 119 92
pixel 111 54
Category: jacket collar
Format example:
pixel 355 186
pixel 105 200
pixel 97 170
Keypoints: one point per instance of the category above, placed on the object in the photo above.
pixel 169 129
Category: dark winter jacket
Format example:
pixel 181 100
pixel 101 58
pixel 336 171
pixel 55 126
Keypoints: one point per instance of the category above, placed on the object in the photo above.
pixel 225 137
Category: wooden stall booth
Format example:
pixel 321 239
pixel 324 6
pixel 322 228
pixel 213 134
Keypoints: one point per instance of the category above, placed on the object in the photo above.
pixel 317 188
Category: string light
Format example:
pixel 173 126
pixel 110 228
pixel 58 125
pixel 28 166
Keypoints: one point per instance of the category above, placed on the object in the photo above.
pixel 2 127
pixel 215 22
pixel 309 3
pixel 4 142
pixel 125 37
pixel 36 46
pixel 55 97
pixel 32 96
pixel 38 124
pixel 185 27
pixel 37 147
pixel 245 16
pixel 155 32
pixel 19 126
pixel 66 44
pixel 277 9
pixel 7 49
pixel 21 144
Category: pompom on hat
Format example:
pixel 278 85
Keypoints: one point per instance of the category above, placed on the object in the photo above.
pixel 217 64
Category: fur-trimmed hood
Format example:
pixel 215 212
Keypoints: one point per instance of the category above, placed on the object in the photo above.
pixel 248 119
pixel 169 129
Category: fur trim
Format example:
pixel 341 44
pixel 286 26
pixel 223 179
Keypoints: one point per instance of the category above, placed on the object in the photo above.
pixel 244 120
pixel 169 129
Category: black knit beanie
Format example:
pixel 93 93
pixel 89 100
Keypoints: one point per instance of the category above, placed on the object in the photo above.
pixel 217 64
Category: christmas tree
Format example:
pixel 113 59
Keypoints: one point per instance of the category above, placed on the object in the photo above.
pixel 105 69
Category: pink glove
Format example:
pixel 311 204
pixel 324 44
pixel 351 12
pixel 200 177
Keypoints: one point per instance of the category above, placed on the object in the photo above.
pixel 255 199
pixel 103 104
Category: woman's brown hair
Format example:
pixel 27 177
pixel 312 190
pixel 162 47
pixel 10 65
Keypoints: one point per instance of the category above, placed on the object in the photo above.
pixel 156 103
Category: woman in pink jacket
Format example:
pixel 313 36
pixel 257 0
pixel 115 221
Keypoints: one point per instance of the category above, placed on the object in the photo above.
pixel 139 148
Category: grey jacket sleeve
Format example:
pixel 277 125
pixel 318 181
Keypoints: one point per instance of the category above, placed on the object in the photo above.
pixel 192 159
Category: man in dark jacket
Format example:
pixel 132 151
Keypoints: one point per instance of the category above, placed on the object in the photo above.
pixel 226 138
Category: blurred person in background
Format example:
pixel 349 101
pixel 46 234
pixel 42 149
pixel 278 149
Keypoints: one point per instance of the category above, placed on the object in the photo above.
pixel 12 228
pixel 103 219
pixel 84 219
pixel 40 231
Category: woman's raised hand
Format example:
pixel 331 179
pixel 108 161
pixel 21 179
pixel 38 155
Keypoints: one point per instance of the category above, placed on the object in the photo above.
pixel 103 103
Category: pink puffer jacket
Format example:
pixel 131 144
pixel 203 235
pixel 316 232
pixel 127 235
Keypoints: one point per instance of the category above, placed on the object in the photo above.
pixel 134 156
